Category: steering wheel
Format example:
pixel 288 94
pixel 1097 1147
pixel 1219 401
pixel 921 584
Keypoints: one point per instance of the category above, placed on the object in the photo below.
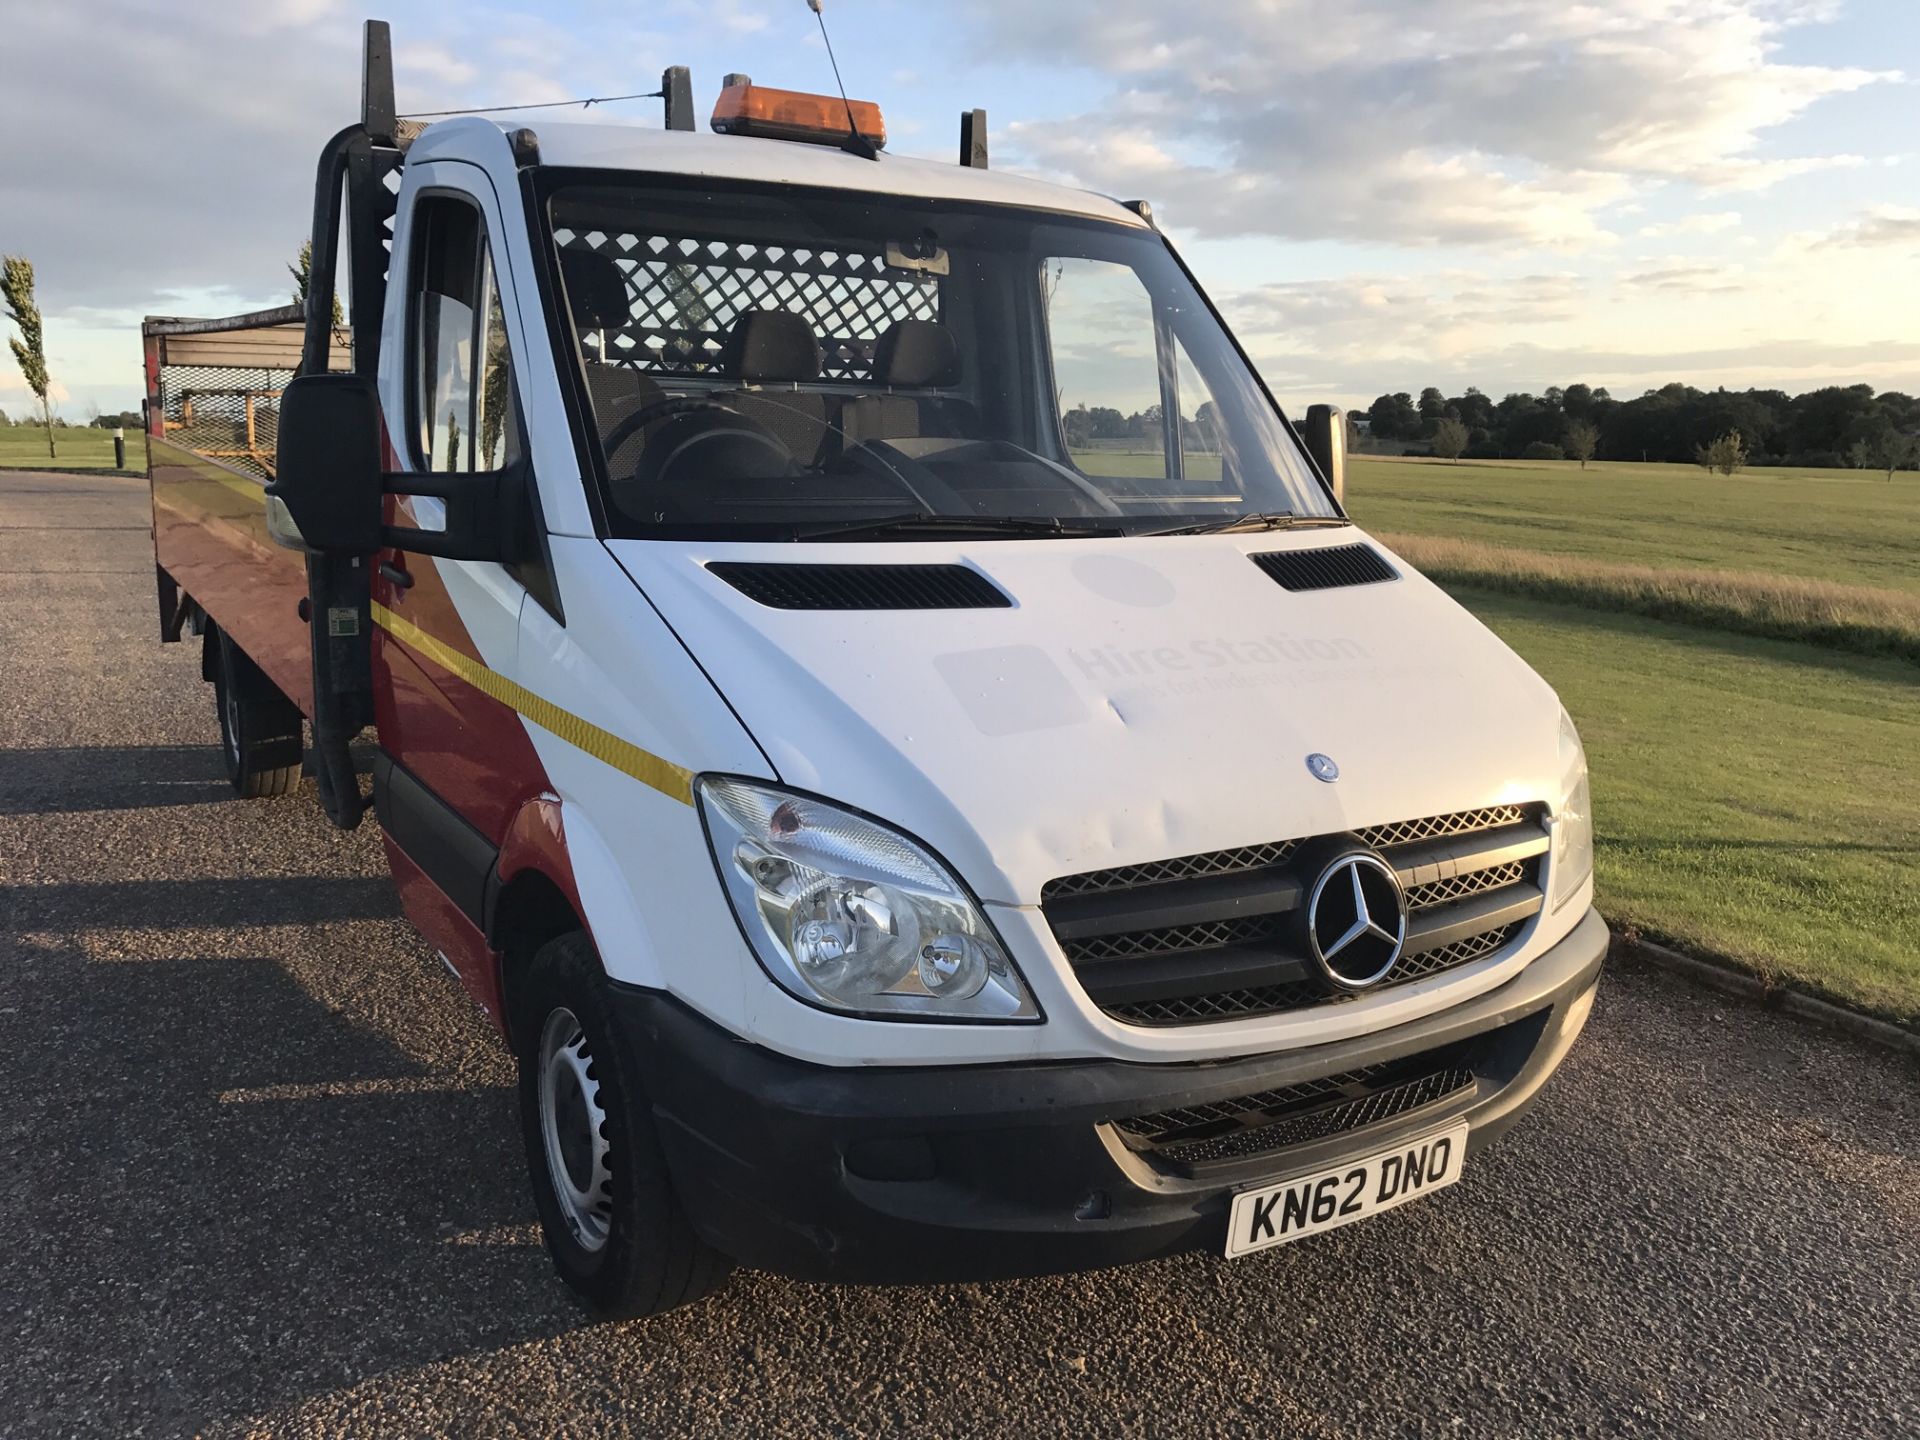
pixel 627 428
pixel 712 440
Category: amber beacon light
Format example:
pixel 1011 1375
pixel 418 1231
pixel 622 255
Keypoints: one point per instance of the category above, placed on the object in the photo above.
pixel 748 109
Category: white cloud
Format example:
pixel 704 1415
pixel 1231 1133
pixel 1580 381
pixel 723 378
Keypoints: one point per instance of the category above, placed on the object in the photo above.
pixel 1678 276
pixel 1628 325
pixel 1412 122
pixel 1880 226
pixel 1708 224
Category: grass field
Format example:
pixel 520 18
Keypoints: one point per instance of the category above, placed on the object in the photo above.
pixel 1743 656
pixel 24 447
pixel 1852 527
pixel 1753 799
pixel 1862 619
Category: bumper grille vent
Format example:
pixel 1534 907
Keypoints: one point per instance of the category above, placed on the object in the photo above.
pixel 1195 1136
pixel 1220 935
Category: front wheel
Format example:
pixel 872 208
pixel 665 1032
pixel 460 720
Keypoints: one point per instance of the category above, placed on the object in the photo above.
pixel 613 1225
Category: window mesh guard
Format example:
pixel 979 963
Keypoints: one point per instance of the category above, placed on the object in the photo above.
pixel 224 413
pixel 687 295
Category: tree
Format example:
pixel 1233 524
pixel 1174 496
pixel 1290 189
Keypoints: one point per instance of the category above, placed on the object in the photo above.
pixel 1473 409
pixel 1725 455
pixel 4 421
pixel 1894 450
pixel 1078 425
pixel 29 352
pixel 1393 417
pixel 302 272
pixel 1449 438
pixel 1581 439
pixel 1433 408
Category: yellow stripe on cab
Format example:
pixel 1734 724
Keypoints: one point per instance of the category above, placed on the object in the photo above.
pixel 606 747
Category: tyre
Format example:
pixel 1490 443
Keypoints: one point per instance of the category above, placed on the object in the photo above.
pixel 613 1225
pixel 260 735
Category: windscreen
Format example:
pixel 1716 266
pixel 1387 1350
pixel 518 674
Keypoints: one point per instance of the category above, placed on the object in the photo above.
pixel 787 363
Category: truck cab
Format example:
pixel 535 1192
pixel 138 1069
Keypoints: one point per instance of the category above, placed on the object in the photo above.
pixel 866 689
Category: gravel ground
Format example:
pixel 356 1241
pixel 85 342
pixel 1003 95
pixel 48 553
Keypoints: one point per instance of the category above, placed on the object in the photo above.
pixel 262 1174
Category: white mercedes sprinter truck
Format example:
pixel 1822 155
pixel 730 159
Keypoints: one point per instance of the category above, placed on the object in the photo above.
pixel 879 706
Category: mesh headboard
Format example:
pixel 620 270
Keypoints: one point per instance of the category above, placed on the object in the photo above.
pixel 687 294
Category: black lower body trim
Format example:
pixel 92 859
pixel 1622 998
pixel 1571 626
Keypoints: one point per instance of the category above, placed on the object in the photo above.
pixel 435 836
pixel 959 1173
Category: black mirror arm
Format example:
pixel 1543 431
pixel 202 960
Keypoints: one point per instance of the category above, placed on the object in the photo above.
pixel 432 484
pixel 483 522
pixel 442 544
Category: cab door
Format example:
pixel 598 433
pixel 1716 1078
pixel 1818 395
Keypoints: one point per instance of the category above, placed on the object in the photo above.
pixel 455 762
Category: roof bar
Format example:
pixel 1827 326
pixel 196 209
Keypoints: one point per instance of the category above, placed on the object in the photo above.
pixel 973 139
pixel 377 105
pixel 676 85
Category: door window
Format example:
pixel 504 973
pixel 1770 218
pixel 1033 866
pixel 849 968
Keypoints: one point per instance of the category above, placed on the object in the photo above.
pixel 462 373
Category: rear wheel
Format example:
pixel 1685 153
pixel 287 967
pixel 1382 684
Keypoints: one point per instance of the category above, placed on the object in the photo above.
pixel 260 736
pixel 613 1225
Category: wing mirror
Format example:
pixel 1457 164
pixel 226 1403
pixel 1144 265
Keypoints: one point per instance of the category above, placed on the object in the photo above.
pixel 1325 436
pixel 329 488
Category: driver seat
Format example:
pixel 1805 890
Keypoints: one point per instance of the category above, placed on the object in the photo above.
pixel 597 297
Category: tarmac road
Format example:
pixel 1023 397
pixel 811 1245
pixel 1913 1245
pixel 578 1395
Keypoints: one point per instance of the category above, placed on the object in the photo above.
pixel 262 1175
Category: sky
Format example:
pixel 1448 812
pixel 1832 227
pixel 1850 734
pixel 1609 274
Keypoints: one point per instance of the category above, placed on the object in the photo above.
pixel 1379 194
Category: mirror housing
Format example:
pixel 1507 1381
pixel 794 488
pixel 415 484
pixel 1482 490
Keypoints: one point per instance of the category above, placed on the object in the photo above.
pixel 326 472
pixel 1325 436
pixel 328 492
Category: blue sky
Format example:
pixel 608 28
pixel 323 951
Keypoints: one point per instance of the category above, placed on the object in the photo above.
pixel 1381 194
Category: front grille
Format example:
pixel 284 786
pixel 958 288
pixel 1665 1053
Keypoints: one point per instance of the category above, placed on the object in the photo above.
pixel 1220 935
pixel 1458 887
pixel 1187 867
pixel 1437 827
pixel 1223 1004
pixel 1171 940
pixel 1279 1119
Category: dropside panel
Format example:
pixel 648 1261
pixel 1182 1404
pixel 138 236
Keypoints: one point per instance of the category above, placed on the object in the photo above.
pixel 210 534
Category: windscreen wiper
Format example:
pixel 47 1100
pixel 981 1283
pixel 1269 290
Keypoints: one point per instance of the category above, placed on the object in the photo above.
pixel 1271 520
pixel 920 522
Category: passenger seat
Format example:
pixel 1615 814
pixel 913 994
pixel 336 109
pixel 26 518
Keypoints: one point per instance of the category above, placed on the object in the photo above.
pixel 912 355
pixel 771 348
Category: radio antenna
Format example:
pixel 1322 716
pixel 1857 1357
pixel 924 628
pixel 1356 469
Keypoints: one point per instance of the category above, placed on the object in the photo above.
pixel 856 142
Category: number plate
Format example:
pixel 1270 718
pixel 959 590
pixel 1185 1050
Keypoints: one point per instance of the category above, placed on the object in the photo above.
pixel 1332 1198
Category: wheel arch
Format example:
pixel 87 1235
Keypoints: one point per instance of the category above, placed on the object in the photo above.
pixel 529 911
pixel 532 900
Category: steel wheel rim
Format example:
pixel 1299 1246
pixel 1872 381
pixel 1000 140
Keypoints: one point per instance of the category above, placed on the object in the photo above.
pixel 573 1127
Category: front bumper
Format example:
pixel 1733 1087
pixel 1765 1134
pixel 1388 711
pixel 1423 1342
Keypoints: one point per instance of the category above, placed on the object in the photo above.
pixel 959 1173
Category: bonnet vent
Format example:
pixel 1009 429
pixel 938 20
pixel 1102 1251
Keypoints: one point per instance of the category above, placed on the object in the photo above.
pixel 862 587
pixel 1327 568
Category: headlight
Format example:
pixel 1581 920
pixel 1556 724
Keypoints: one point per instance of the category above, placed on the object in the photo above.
pixel 849 914
pixel 1572 818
